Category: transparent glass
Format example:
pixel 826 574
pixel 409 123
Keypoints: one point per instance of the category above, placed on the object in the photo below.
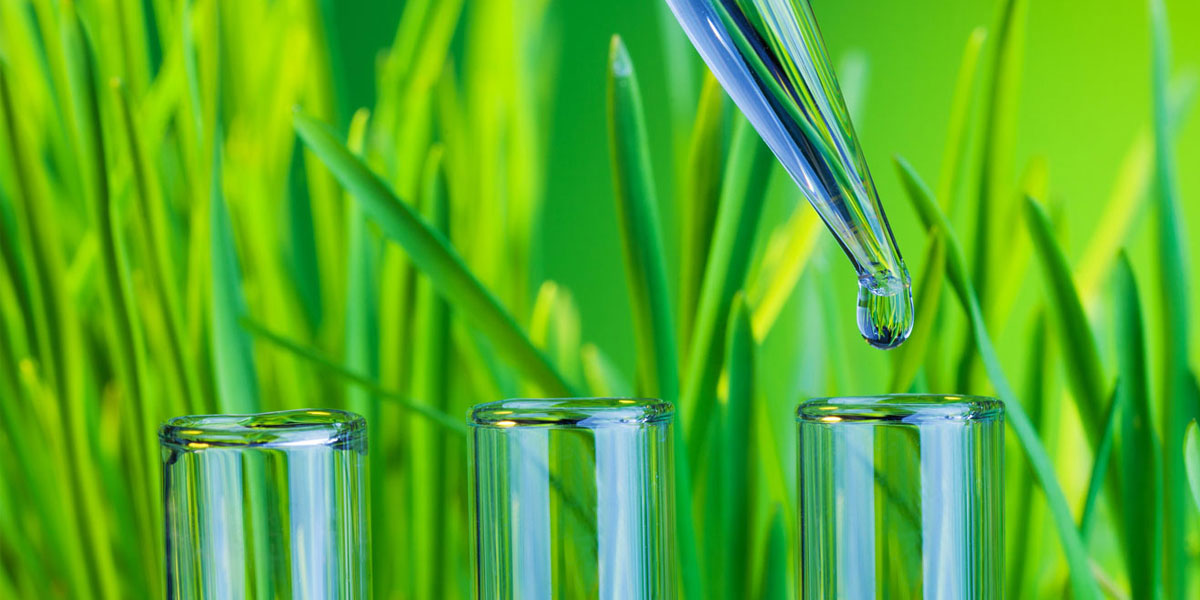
pixel 266 506
pixel 572 499
pixel 769 57
pixel 900 497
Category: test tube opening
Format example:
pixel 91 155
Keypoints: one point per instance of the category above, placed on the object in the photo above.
pixel 901 496
pixel 573 498
pixel 266 505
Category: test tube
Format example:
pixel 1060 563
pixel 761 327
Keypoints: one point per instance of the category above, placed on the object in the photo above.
pixel 900 497
pixel 572 498
pixel 271 505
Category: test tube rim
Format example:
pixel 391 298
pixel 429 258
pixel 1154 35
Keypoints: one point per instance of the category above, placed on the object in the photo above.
pixel 902 408
pixel 570 413
pixel 275 429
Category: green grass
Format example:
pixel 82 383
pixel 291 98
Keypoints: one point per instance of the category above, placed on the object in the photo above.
pixel 194 219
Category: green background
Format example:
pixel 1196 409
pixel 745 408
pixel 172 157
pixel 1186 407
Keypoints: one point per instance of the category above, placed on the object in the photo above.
pixel 1085 94
pixel 297 257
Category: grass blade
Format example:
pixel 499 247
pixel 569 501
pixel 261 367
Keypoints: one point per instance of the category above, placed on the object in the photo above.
pixel 911 355
pixel 34 238
pixel 555 328
pixel 232 349
pixel 998 139
pixel 313 356
pixel 360 344
pixel 1084 370
pixel 734 512
pixel 1019 250
pixel 124 334
pixel 361 319
pixel 778 279
pixel 1177 408
pixel 1128 198
pixel 1022 552
pixel 431 253
pixel 155 231
pixel 682 68
pixel 430 385
pixel 604 379
pixel 1100 465
pixel 954 157
pixel 1138 452
pixel 994 210
pixel 1191 454
pixel 1083 584
pixel 776 563
pixel 637 213
pixel 701 193
pixel 742 195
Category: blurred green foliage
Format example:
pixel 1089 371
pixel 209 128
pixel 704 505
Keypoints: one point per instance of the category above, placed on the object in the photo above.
pixel 169 246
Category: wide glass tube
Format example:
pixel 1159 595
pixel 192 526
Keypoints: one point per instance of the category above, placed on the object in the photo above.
pixel 266 506
pixel 900 497
pixel 572 499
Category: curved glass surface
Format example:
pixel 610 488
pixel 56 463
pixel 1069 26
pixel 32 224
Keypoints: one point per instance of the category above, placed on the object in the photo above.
pixel 769 57
pixel 572 498
pixel 266 506
pixel 900 497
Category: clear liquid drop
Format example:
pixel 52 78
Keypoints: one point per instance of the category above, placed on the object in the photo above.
pixel 769 57
pixel 885 311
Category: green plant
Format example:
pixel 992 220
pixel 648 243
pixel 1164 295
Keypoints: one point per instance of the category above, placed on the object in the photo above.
pixel 177 237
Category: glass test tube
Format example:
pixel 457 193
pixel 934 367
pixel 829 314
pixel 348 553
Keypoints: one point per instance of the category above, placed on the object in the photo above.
pixel 900 497
pixel 266 506
pixel 572 498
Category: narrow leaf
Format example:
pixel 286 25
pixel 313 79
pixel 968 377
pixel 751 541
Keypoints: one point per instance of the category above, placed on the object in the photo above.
pixel 316 358
pixel 742 195
pixel 911 355
pixel 1129 195
pixel 778 279
pixel 555 328
pixel 429 484
pixel 124 333
pixel 232 349
pixel 431 253
pixel 1084 370
pixel 734 455
pixel 1023 553
pixel 701 193
pixel 1138 452
pixel 1083 584
pixel 604 379
pixel 682 67
pixel 995 210
pixel 994 205
pixel 1100 464
pixel 776 563
pixel 954 156
pixel 1172 252
pixel 361 319
pixel 637 211
pixel 1191 453
pixel 156 239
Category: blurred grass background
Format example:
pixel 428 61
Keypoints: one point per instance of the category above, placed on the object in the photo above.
pixel 490 117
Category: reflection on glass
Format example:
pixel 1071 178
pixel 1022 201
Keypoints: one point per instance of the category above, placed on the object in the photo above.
pixel 769 57
pixel 266 506
pixel 900 497
pixel 572 499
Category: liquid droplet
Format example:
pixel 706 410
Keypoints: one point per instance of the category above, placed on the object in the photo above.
pixel 769 57
pixel 885 311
